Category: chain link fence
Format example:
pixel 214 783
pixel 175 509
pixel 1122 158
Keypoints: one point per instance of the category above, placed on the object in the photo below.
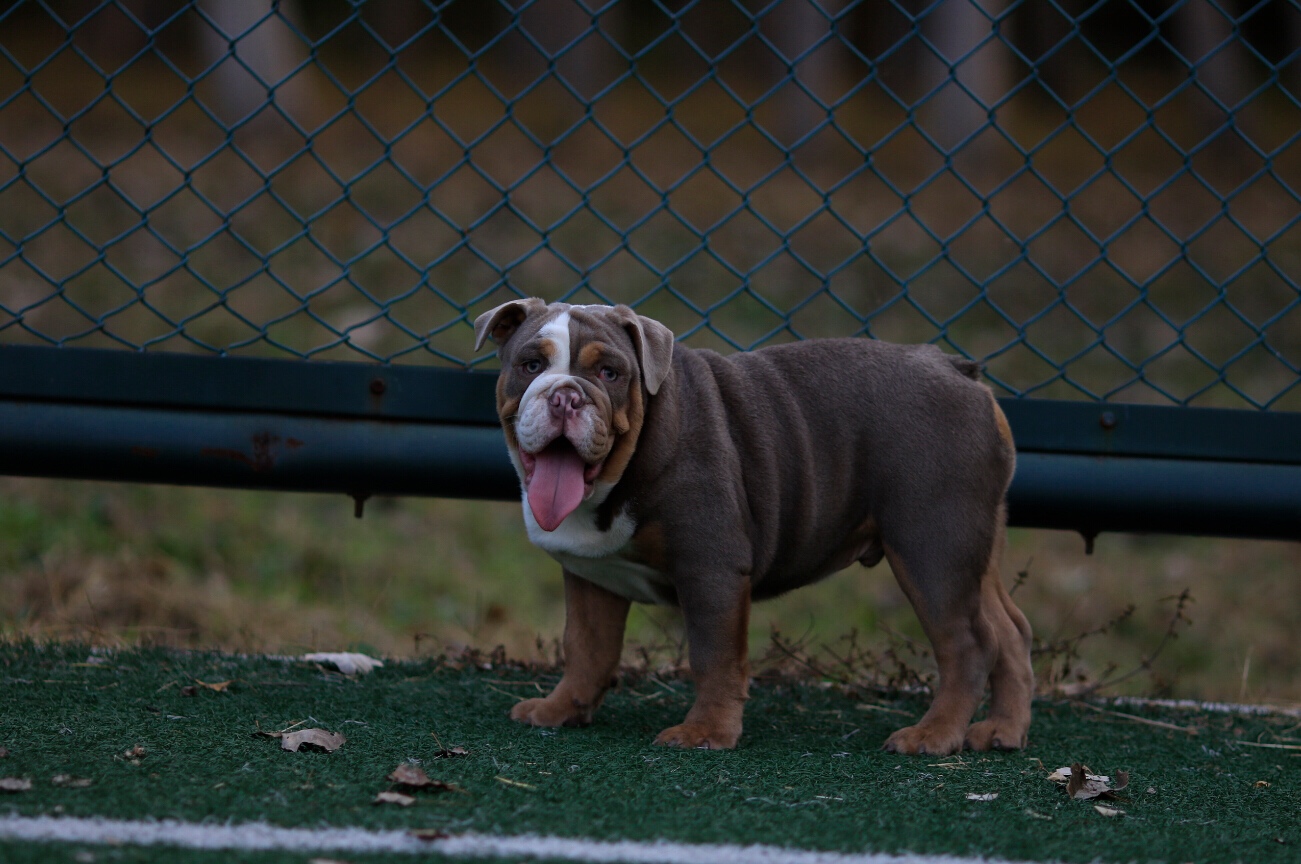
pixel 1099 200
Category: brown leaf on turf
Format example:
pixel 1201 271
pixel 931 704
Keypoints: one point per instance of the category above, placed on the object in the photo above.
pixel 189 690
pixel 1077 781
pixel 218 687
pixel 69 782
pixel 318 739
pixel 15 784
pixel 136 752
pixel 1083 786
pixel 429 834
pixel 448 753
pixel 394 798
pixel 1108 811
pixel 407 774
pixel 414 777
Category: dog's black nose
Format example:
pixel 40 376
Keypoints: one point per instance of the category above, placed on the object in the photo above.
pixel 565 401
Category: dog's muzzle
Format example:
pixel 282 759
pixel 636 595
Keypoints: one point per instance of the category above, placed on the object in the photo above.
pixel 557 432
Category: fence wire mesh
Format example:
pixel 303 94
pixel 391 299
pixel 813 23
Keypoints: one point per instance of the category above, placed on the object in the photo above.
pixel 1097 199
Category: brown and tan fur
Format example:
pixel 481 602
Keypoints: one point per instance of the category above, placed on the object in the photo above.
pixel 750 475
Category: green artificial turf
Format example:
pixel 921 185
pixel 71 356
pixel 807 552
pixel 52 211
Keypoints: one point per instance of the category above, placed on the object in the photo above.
pixel 808 774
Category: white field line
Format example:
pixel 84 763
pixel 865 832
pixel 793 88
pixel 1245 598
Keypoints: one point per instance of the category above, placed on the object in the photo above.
pixel 258 836
pixel 1209 707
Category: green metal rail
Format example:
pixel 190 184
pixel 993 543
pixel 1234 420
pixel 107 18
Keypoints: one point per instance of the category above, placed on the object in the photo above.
pixel 364 430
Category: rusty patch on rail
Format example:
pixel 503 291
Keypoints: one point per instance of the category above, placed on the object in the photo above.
pixel 263 457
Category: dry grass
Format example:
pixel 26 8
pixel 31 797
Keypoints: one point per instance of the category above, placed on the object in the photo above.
pixel 269 572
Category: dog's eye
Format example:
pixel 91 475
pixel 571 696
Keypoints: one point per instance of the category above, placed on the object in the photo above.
pixel 609 374
pixel 532 367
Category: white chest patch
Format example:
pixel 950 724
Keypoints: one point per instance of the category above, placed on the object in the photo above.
pixel 598 556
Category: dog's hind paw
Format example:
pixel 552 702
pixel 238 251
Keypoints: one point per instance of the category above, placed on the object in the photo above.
pixel 924 740
pixel 995 734
pixel 551 712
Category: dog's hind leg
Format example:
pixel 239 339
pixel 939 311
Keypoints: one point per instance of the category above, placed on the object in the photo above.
pixel 944 583
pixel 1011 682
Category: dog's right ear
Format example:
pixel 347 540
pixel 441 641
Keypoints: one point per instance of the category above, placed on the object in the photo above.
pixel 501 323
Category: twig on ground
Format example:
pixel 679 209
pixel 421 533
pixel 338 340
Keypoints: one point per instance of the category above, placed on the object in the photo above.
pixel 1160 724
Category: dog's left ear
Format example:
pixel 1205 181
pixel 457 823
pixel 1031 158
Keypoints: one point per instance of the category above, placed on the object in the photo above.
pixel 500 324
pixel 654 344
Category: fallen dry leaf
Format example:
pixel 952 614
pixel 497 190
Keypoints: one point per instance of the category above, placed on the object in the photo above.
pixel 448 753
pixel 1063 775
pixel 414 777
pixel 981 796
pixel 218 687
pixel 1108 811
pixel 1262 784
pixel 69 782
pixel 136 752
pixel 15 784
pixel 429 834
pixel 318 739
pixel 394 798
pixel 346 662
pixel 189 690
pixel 407 774
pixel 1084 786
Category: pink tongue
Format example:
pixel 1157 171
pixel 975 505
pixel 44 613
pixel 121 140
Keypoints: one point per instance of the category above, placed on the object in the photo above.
pixel 557 486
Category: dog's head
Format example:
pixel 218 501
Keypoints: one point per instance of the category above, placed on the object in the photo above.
pixel 571 396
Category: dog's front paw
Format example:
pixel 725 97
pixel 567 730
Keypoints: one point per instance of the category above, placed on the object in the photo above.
pixel 699 736
pixel 930 740
pixel 551 711
pixel 994 734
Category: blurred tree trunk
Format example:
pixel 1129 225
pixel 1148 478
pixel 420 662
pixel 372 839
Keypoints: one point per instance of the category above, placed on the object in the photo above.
pixel 798 30
pixel 965 35
pixel 1210 42
pixel 571 33
pixel 254 47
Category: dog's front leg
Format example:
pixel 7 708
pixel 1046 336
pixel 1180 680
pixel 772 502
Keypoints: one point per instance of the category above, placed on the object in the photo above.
pixel 718 624
pixel 594 624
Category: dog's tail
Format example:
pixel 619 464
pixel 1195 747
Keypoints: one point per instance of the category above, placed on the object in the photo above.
pixel 970 368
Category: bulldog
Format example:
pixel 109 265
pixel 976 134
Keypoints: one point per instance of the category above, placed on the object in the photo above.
pixel 656 473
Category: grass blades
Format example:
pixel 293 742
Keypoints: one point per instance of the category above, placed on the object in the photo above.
pixel 809 772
